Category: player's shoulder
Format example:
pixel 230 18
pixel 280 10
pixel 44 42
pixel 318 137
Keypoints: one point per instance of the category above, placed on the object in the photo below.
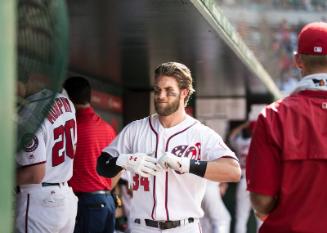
pixel 278 111
pixel 198 125
pixel 61 95
pixel 283 105
pixel 297 98
pixel 144 122
pixel 66 99
pixel 62 110
pixel 202 129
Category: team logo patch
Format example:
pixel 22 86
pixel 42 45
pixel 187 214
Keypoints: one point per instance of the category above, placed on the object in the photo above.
pixel 30 142
pixel 190 151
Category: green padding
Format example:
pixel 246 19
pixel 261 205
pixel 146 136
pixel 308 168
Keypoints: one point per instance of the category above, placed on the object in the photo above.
pixel 7 113
pixel 42 55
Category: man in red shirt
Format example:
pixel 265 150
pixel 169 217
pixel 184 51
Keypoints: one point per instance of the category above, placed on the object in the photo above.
pixel 96 208
pixel 286 167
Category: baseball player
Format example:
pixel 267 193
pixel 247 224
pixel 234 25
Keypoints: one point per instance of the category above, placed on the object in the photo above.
pixel 169 154
pixel 216 218
pixel 44 201
pixel 240 139
pixel 286 168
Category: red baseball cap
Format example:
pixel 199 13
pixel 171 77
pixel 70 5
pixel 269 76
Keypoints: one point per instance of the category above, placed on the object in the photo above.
pixel 312 39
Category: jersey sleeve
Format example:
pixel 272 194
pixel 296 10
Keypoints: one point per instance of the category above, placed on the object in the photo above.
pixel 122 143
pixel 34 149
pixel 263 171
pixel 215 147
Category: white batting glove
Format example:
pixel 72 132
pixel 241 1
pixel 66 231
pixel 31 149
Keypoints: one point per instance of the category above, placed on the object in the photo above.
pixel 180 164
pixel 140 163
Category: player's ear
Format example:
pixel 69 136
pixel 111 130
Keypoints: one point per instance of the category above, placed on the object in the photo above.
pixel 298 61
pixel 184 93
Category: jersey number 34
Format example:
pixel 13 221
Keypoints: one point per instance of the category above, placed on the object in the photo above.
pixel 140 180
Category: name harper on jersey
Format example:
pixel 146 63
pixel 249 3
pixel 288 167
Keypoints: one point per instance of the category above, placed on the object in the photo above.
pixel 60 105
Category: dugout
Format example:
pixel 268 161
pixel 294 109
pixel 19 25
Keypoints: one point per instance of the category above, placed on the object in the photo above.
pixel 117 45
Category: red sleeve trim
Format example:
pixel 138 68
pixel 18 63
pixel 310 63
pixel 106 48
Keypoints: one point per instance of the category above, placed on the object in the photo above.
pixel 33 164
pixel 229 157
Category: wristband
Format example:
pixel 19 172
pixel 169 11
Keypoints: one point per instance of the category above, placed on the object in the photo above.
pixel 106 165
pixel 198 167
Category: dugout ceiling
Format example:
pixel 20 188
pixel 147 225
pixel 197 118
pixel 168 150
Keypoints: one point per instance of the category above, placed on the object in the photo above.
pixel 122 41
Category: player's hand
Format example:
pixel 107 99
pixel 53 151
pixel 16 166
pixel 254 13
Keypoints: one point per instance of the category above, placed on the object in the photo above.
pixel 180 164
pixel 140 163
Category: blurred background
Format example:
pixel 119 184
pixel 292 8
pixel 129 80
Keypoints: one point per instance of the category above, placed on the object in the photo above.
pixel 270 29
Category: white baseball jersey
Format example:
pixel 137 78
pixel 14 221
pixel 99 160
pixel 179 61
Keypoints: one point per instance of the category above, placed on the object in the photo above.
pixel 55 140
pixel 169 195
pixel 48 208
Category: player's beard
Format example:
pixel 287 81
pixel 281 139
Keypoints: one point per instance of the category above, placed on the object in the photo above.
pixel 168 108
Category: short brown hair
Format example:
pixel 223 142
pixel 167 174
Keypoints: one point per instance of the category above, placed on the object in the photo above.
pixel 314 61
pixel 180 72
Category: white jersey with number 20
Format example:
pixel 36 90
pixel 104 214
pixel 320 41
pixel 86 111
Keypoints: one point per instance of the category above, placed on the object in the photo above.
pixel 54 142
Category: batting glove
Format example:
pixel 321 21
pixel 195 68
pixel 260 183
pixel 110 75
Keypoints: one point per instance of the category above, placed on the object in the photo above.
pixel 140 163
pixel 180 164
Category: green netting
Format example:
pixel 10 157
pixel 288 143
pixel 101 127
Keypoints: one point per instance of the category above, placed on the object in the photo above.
pixel 42 53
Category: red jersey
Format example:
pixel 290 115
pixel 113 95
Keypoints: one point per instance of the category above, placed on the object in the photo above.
pixel 93 134
pixel 288 159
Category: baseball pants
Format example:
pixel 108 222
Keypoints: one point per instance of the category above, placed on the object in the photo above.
pixel 50 209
